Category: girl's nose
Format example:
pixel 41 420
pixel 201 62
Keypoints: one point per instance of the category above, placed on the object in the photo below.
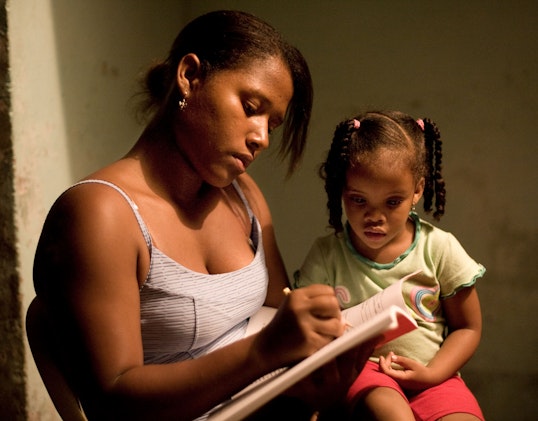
pixel 373 215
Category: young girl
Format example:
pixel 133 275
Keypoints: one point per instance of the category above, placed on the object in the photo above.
pixel 379 166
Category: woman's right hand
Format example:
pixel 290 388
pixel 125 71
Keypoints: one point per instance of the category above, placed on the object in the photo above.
pixel 308 319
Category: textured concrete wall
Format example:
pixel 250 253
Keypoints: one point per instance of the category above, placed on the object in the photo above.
pixel 12 375
pixel 73 68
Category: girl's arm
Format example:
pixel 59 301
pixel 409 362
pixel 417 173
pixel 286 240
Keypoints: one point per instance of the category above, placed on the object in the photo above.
pixel 464 322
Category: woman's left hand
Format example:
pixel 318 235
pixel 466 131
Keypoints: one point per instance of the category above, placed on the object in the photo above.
pixel 328 385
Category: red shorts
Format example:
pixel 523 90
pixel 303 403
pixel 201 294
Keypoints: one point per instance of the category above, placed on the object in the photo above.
pixel 450 397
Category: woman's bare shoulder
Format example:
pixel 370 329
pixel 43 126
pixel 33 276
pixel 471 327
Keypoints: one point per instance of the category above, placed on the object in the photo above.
pixel 100 193
pixel 88 225
pixel 91 198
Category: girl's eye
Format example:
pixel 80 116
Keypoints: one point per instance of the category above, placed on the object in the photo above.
pixel 357 200
pixel 394 202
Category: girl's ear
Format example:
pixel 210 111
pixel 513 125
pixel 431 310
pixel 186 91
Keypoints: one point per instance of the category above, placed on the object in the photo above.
pixel 188 74
pixel 419 189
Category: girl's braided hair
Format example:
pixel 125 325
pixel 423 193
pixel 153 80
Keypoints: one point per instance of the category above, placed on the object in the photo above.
pixel 417 141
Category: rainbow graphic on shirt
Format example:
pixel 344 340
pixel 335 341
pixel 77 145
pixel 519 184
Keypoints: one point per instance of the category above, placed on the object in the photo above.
pixel 425 302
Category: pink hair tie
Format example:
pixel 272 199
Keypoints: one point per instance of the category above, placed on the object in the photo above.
pixel 356 123
pixel 420 122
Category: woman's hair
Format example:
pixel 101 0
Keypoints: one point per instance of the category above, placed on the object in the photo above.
pixel 418 143
pixel 227 40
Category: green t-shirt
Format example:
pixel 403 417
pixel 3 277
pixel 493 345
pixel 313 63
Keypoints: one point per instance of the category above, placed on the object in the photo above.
pixel 446 268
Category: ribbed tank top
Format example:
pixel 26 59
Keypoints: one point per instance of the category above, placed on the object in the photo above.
pixel 186 314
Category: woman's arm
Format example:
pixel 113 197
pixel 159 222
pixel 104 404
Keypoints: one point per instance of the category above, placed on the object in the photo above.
pixel 329 384
pixel 88 264
pixel 278 278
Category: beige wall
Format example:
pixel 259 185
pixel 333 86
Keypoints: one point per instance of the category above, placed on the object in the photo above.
pixel 470 66
pixel 74 66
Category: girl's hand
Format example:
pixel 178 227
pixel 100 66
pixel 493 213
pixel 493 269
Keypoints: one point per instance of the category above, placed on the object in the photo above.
pixel 464 322
pixel 414 376
pixel 308 319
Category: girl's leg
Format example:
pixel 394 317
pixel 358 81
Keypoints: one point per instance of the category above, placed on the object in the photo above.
pixel 459 417
pixel 383 404
pixel 448 401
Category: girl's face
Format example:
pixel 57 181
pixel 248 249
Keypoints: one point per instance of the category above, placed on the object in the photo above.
pixel 230 116
pixel 377 198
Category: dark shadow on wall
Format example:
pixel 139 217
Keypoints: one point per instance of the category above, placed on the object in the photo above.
pixel 497 394
pixel 12 374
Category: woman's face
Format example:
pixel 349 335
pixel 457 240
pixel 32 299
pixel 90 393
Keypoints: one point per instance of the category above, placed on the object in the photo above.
pixel 377 199
pixel 230 116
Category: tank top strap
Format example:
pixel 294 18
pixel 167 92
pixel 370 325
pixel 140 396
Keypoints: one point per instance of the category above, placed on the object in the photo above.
pixel 255 227
pixel 134 207
pixel 243 199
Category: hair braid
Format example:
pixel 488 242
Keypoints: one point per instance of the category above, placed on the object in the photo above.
pixel 428 179
pixel 333 171
pixel 434 183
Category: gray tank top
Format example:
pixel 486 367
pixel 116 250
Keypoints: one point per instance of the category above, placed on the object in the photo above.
pixel 186 314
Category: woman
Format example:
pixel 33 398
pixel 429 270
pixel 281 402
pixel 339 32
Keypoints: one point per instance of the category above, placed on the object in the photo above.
pixel 150 267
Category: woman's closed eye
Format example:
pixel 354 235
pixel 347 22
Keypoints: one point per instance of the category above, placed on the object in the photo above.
pixel 250 109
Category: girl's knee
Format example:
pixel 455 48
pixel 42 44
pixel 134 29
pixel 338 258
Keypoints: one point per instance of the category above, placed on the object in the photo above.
pixel 383 403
